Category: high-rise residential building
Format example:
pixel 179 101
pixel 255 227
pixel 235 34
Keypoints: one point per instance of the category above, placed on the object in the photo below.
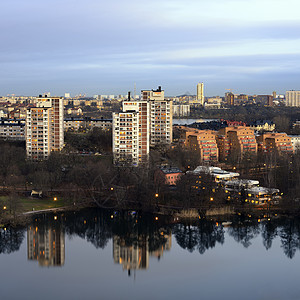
pixel 126 137
pixel 44 127
pixel 143 108
pixel 141 124
pixel 200 93
pixel 292 98
pixel 160 116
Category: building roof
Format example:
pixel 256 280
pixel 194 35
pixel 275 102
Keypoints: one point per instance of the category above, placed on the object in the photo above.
pixel 170 170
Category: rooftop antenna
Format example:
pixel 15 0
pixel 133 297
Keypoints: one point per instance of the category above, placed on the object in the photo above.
pixel 134 93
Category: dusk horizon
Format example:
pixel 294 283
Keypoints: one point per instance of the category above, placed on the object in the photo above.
pixel 95 47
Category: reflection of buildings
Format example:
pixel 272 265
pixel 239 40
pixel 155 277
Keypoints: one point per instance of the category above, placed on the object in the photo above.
pixel 46 245
pixel 164 247
pixel 134 255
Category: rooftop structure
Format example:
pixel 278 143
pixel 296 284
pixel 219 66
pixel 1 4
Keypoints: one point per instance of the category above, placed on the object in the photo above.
pixel 216 172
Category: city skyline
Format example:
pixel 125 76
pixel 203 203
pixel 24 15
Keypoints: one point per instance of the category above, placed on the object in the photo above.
pixel 95 47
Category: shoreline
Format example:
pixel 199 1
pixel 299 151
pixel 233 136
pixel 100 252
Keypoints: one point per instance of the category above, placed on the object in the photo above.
pixel 190 214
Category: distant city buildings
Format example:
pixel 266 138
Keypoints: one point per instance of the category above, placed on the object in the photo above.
pixel 77 124
pixel 292 98
pixel 200 93
pixel 181 110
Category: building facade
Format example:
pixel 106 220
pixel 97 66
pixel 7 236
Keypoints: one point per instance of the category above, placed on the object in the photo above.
pixel 126 137
pixel 12 129
pixel 292 98
pixel 160 117
pixel 270 142
pixel 200 93
pixel 236 140
pixel 204 142
pixel 44 128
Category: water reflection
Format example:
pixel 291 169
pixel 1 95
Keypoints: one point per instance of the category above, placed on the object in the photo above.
pixel 136 237
pixel 46 244
pixel 203 236
pixel 133 252
pixel 11 239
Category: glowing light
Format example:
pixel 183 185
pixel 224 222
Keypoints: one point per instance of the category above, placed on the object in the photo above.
pixel 156 195
pixel 55 217
pixel 4 207
pixel 156 218
pixel 111 216
pixel 55 199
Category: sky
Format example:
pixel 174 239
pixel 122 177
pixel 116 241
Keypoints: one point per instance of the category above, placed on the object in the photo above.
pixel 105 47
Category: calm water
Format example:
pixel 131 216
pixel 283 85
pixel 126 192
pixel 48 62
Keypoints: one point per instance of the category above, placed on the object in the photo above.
pixel 191 121
pixel 99 255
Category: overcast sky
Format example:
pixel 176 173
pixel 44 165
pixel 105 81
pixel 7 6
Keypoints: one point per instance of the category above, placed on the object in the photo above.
pixel 104 47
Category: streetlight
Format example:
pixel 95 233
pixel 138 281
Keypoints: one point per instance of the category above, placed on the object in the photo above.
pixel 156 195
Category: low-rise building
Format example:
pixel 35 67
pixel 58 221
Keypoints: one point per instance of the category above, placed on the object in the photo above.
pixel 263 125
pixel 280 142
pixel 12 129
pixel 295 139
pixel 239 139
pixel 217 173
pixel 181 110
pixel 203 141
pixel 170 175
pixel 76 124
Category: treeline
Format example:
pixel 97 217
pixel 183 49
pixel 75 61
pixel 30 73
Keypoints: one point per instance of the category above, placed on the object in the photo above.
pixel 79 177
pixel 95 140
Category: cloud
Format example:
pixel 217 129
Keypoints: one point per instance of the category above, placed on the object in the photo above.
pixel 78 43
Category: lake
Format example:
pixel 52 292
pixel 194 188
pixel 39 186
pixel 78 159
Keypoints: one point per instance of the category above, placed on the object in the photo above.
pixel 96 254
pixel 191 121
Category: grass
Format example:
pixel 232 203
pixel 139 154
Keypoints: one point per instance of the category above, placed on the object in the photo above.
pixel 26 204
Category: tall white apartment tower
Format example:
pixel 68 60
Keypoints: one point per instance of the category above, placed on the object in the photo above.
pixel 200 93
pixel 143 108
pixel 292 98
pixel 126 137
pixel 160 116
pixel 44 127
